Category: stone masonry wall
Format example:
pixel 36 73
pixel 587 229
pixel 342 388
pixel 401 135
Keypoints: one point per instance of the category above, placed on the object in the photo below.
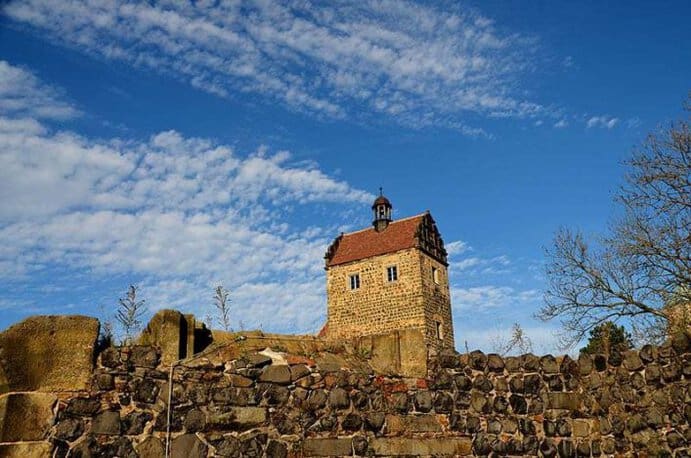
pixel 632 404
pixel 380 306
pixel 437 300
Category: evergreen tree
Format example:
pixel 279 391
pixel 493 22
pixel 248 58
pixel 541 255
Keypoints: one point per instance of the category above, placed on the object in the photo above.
pixel 607 338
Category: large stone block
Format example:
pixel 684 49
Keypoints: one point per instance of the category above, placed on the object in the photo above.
pixel 167 330
pixel 566 401
pixel 187 446
pixel 178 336
pixel 240 418
pixel 399 424
pixel 402 353
pixel 396 446
pixel 25 416
pixel 48 353
pixel 327 447
pixel 26 450
pixel 413 353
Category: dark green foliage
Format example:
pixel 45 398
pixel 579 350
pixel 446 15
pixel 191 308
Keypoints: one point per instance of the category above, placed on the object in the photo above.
pixel 607 338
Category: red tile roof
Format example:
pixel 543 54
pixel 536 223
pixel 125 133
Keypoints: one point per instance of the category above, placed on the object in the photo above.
pixel 366 243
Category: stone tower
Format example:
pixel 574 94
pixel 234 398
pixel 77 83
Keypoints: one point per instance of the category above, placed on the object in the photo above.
pixel 390 277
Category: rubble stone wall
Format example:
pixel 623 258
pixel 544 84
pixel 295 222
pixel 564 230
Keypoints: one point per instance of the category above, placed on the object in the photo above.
pixel 632 404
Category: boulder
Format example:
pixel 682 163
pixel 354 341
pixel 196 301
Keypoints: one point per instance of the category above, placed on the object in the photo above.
pixel 151 447
pixel 276 449
pixel 632 361
pixel 423 401
pixel 143 356
pixel 48 353
pixel 297 371
pixel 275 374
pixel 338 399
pixel 478 360
pixel 187 446
pixel 107 423
pixel 258 360
pixel 69 429
pixel 495 363
pixel 548 364
pixel 82 407
pixel 352 422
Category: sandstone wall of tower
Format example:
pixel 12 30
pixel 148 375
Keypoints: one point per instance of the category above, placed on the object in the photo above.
pixel 437 301
pixel 378 306
pixel 414 300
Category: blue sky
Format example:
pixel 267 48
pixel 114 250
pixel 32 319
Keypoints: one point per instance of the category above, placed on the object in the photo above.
pixel 179 147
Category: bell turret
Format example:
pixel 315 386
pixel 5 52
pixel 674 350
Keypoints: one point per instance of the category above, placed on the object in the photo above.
pixel 382 210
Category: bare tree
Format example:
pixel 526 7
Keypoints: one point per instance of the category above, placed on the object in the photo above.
pixel 517 341
pixel 222 304
pixel 642 269
pixel 129 314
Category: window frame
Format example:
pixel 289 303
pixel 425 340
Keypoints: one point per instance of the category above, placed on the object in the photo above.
pixel 389 270
pixel 354 281
pixel 435 275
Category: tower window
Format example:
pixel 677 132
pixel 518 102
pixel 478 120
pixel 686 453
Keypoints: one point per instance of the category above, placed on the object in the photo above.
pixel 440 330
pixel 435 275
pixel 355 281
pixel 392 273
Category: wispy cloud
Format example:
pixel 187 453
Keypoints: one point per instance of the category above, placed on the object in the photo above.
pixel 456 247
pixel 561 124
pixel 178 214
pixel 415 64
pixel 606 122
pixel 23 94
pixel 475 265
pixel 491 297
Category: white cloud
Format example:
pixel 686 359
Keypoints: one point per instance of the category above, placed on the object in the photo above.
pixel 606 122
pixel 561 124
pixel 171 210
pixel 22 94
pixel 415 64
pixel 491 297
pixel 475 265
pixel 632 123
pixel 179 215
pixel 456 247
pixel 568 62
